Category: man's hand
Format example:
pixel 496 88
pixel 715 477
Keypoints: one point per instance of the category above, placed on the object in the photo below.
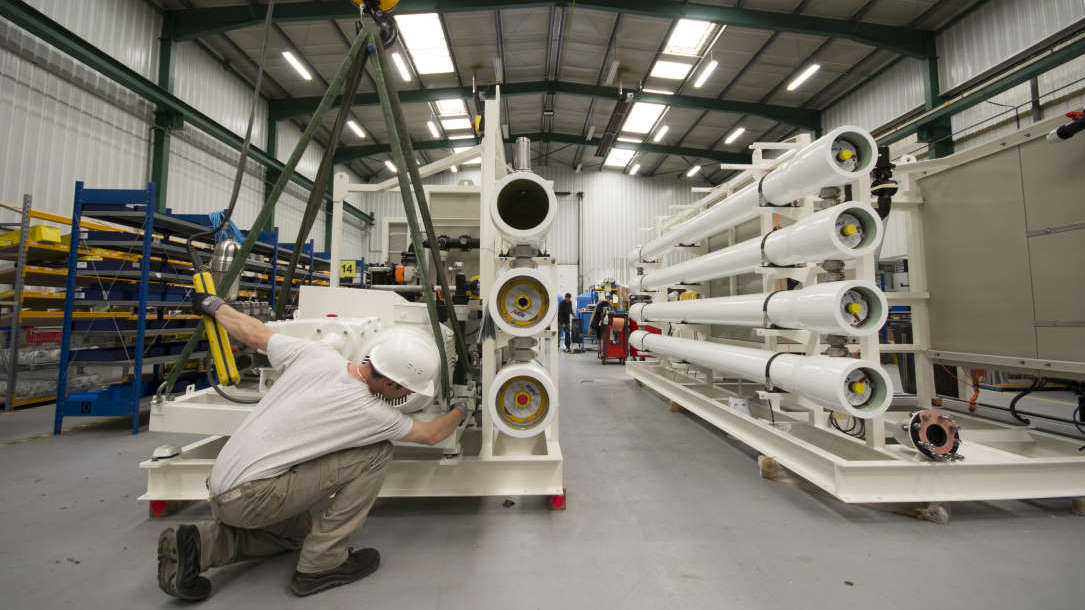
pixel 205 304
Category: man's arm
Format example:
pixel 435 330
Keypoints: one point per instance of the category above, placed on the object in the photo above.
pixel 434 431
pixel 246 329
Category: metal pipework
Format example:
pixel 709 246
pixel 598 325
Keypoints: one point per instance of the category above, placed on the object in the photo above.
pixel 931 432
pixel 221 259
pixel 521 301
pixel 523 207
pixel 848 230
pixel 843 155
pixel 853 307
pixel 521 158
pixel 522 399
pixel 857 387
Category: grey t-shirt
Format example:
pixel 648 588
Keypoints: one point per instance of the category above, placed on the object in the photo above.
pixel 314 408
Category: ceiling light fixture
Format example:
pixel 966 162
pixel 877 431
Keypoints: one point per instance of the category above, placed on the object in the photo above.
pixel 612 72
pixel 800 79
pixel 693 171
pixel 658 91
pixel 297 65
pixel 633 170
pixel 708 70
pixel 661 132
pixel 454 169
pixel 357 129
pixel 433 129
pixel 391 166
pixel 736 134
pixel 401 65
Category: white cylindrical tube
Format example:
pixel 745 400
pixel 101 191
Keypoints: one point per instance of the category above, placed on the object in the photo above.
pixel 848 230
pixel 521 301
pixel 523 207
pixel 840 156
pixel 851 307
pixel 857 387
pixel 522 399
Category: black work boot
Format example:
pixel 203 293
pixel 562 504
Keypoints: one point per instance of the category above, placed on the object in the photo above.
pixel 358 565
pixel 179 564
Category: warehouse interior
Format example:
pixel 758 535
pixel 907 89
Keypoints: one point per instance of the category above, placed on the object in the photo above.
pixel 801 278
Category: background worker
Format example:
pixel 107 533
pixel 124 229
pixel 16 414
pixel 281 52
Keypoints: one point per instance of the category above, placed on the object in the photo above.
pixel 598 319
pixel 565 314
pixel 324 428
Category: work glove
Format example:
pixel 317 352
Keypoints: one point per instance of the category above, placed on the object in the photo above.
pixel 205 304
pixel 463 407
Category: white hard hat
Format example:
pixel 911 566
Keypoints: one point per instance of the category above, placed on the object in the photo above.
pixel 408 357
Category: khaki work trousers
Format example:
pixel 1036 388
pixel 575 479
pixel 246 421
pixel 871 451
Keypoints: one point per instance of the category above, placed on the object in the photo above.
pixel 270 516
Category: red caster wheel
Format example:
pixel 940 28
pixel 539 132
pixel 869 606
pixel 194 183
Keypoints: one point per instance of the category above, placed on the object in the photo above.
pixel 158 507
pixel 557 502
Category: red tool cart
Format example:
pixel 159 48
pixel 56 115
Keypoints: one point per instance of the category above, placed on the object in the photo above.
pixel 635 353
pixel 615 340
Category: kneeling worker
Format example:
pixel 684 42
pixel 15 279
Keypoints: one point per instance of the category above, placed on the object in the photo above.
pixel 324 428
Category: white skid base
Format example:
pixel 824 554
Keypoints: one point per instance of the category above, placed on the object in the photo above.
pixel 538 472
pixel 1001 462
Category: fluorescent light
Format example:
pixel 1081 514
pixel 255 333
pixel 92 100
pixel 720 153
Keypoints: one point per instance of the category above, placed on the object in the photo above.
pixel 453 124
pixel 425 39
pixel 659 91
pixel 612 72
pixel 454 169
pixel 391 166
pixel 433 129
pixel 672 70
pixel 800 79
pixel 451 107
pixel 579 166
pixel 633 170
pixel 661 132
pixel 462 136
pixel 642 117
pixel 356 129
pixel 505 130
pixel 708 70
pixel 293 61
pixel 499 71
pixel 591 131
pixel 736 134
pixel 619 157
pixel 689 37
pixel 402 67
pixel 693 171
pixel 630 140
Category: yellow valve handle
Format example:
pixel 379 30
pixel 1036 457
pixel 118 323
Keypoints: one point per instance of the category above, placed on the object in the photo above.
pixel 854 308
pixel 217 340
pixel 858 387
pixel 844 155
pixel 850 229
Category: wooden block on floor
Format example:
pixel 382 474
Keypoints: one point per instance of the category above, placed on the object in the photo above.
pixel 675 407
pixel 639 383
pixel 1078 506
pixel 769 467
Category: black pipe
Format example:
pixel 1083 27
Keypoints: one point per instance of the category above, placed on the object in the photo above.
pixel 1039 381
pixel 1061 420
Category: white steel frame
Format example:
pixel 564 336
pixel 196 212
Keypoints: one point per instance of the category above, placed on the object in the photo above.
pixel 474 462
pixel 1000 461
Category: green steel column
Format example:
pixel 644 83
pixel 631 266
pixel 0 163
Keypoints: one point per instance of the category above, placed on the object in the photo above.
pixel 164 121
pixel 939 134
pixel 271 175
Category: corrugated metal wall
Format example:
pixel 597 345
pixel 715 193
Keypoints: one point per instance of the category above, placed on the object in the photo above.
pixel 126 29
pixel 897 91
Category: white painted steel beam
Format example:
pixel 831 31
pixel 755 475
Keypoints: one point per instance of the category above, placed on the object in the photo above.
pixel 843 155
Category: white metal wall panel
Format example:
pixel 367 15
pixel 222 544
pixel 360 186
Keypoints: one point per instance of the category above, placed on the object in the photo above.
pixel 895 92
pixel 201 177
pixel 997 31
pixel 200 81
pixel 126 29
pixel 289 135
pixel 54 133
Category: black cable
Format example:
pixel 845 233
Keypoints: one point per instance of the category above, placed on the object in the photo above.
pixel 197 264
pixel 1039 381
pixel 214 384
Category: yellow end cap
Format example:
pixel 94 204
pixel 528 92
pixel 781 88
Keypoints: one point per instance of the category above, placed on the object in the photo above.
pixel 858 387
pixel 844 155
pixel 854 308
pixel 850 229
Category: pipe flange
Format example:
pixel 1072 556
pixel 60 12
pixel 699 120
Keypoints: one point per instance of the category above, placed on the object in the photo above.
pixel 934 434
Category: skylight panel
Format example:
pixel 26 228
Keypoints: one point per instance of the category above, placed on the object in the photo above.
pixel 425 40
pixel 451 107
pixel 642 117
pixel 454 124
pixel 619 157
pixel 630 140
pixel 673 70
pixel 689 37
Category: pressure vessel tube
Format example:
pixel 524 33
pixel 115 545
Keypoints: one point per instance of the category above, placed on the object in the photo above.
pixel 844 231
pixel 843 155
pixel 523 207
pixel 857 387
pixel 851 307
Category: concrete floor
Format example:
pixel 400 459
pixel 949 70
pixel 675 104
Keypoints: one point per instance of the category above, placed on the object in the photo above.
pixel 663 512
